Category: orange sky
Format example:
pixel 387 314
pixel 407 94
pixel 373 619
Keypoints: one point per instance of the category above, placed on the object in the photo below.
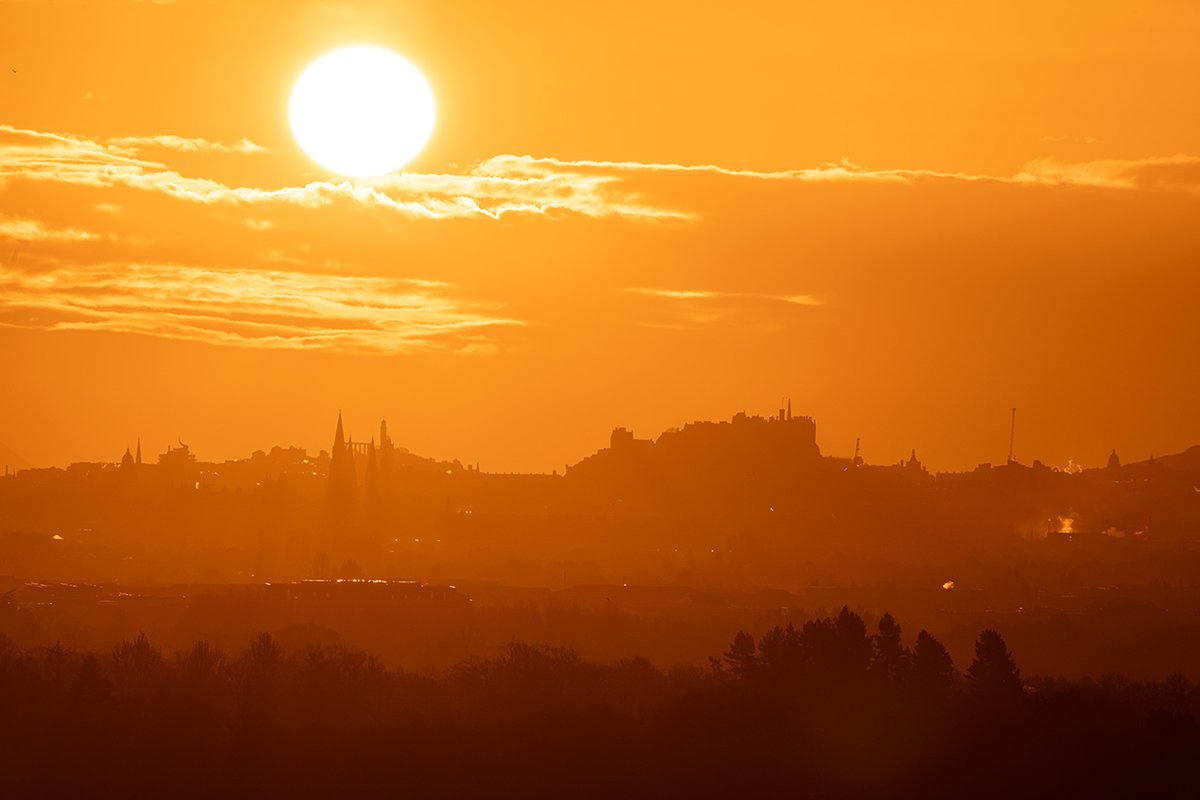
pixel 634 214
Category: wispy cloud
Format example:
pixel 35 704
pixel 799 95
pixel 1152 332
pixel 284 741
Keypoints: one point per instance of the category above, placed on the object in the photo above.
pixel 499 186
pixel 844 170
pixel 1171 172
pixel 686 309
pixel 485 191
pixel 248 308
pixel 185 144
pixel 700 294
pixel 1071 139
pixel 30 230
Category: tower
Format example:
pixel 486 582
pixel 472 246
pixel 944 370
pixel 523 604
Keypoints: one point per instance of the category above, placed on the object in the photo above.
pixel 339 438
pixel 386 449
pixel 138 459
pixel 341 473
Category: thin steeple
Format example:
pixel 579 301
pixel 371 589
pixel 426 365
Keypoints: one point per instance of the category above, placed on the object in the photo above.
pixel 339 438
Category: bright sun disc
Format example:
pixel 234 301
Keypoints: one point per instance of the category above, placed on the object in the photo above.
pixel 362 111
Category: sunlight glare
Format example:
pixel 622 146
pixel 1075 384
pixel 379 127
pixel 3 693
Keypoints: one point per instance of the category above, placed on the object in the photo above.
pixel 362 111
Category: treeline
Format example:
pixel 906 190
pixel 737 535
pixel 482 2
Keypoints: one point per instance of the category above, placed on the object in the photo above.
pixel 824 710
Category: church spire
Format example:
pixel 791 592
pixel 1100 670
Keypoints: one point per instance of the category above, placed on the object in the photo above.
pixel 339 438
pixel 138 459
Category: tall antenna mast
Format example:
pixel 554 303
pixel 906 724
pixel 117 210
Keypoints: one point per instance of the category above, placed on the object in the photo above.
pixel 1012 436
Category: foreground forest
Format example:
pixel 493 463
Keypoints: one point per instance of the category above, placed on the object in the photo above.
pixel 826 709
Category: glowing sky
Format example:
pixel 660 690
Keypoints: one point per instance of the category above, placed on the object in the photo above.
pixel 908 220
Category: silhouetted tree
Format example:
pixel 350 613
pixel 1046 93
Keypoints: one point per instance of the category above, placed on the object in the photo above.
pixel 138 673
pixel 136 658
pixel 853 646
pixel 204 663
pixel 932 667
pixel 779 651
pixel 993 673
pixel 90 693
pixel 818 647
pixel 890 660
pixel 740 657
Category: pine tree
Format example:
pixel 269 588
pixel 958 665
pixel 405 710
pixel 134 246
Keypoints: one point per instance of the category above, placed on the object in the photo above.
pixel 993 673
pixel 853 647
pixel 890 659
pixel 933 669
pixel 740 657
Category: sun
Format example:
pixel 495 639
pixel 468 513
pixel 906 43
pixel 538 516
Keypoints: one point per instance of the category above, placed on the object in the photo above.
pixel 362 111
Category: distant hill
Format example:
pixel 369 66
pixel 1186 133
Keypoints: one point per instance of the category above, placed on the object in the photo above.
pixel 1187 461
pixel 12 460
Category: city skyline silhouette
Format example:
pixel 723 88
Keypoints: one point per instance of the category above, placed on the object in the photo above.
pixel 16 461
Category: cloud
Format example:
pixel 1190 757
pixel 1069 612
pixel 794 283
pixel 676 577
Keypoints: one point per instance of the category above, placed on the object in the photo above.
pixel 68 158
pixel 29 230
pixel 843 170
pixel 1172 172
pixel 488 191
pixel 1072 139
pixel 477 349
pixel 691 308
pixel 699 294
pixel 499 186
pixel 186 145
pixel 247 308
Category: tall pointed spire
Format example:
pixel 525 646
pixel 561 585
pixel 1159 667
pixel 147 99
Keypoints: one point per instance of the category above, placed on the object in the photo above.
pixel 138 460
pixel 341 479
pixel 339 438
